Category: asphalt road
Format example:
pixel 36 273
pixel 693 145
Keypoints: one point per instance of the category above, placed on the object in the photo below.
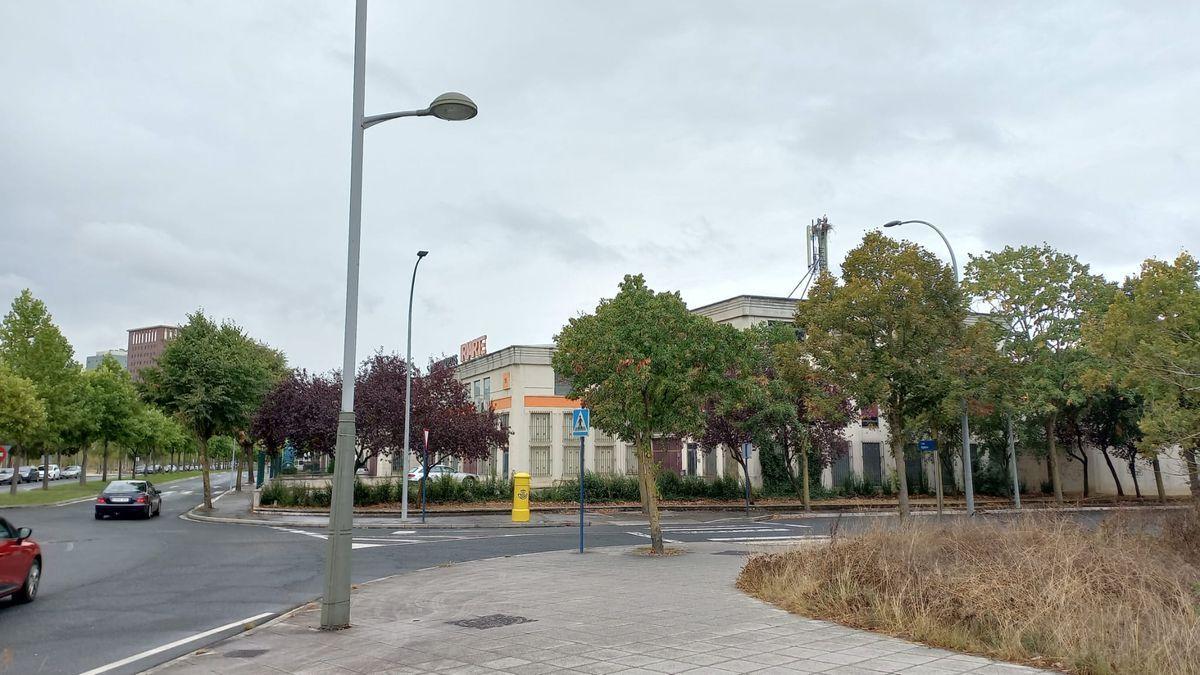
pixel 112 589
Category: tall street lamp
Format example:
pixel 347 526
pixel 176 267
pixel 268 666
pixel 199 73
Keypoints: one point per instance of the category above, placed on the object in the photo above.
pixel 968 481
pixel 408 388
pixel 335 602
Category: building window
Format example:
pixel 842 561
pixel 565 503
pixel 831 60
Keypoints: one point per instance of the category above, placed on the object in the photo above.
pixel 570 448
pixel 870 417
pixel 606 459
pixel 631 459
pixel 487 394
pixel 539 443
pixel 562 385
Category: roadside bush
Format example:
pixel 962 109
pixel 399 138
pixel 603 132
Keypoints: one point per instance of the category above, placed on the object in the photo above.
pixel 854 485
pixel 1116 599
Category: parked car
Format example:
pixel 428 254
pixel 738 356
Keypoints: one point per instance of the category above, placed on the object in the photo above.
pixel 132 497
pixel 436 472
pixel 53 470
pixel 20 563
pixel 6 476
pixel 72 471
pixel 28 473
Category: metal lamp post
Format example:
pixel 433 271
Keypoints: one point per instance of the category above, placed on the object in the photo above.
pixel 968 481
pixel 408 388
pixel 335 601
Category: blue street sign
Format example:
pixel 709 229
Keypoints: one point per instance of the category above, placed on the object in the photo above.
pixel 581 419
pixel 927 445
pixel 747 449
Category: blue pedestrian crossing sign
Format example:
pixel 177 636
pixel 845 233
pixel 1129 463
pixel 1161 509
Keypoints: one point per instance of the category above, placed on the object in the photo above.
pixel 581 419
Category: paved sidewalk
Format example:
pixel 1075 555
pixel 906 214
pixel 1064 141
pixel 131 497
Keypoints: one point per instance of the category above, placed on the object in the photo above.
pixel 611 610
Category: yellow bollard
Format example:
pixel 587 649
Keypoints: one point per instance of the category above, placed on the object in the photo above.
pixel 520 512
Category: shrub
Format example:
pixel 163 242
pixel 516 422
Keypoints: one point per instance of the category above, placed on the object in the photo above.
pixel 1115 599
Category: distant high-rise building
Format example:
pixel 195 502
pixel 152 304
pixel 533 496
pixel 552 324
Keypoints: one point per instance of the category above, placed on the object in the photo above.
pixel 146 345
pixel 93 361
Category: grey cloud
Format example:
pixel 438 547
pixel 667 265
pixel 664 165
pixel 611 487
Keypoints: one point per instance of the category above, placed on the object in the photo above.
pixel 160 156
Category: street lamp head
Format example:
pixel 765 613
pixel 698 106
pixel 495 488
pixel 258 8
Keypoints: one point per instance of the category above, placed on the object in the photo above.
pixel 422 254
pixel 892 223
pixel 453 106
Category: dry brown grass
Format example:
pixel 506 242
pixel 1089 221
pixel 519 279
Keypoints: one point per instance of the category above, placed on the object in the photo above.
pixel 1123 598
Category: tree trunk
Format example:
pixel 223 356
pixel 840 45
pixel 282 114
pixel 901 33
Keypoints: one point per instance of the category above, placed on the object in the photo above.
pixel 12 462
pixel 121 466
pixel 104 463
pixel 1158 481
pixel 804 472
pixel 788 459
pixel 236 464
pixel 1133 474
pixel 204 473
pixel 1189 458
pixel 896 436
pixel 45 470
pixel 250 462
pixel 649 491
pixel 937 471
pixel 1083 459
pixel 1113 471
pixel 83 464
pixel 133 466
pixel 1052 451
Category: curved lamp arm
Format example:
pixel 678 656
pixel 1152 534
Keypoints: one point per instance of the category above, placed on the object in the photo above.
pixel 953 260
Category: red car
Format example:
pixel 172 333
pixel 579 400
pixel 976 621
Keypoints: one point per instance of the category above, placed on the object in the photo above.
pixel 20 563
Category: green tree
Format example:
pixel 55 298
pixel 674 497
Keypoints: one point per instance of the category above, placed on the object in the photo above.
pixel 113 403
pixel 22 414
pixel 1150 341
pixel 83 423
pixel 886 331
pixel 1041 296
pixel 34 348
pixel 808 412
pixel 644 365
pixel 212 377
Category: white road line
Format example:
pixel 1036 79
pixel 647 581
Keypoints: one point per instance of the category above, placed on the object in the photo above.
pixel 172 645
pixel 646 536
pixel 799 536
pixel 405 532
pixel 729 531
pixel 805 527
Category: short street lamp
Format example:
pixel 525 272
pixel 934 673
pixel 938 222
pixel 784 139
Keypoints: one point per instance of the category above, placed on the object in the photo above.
pixel 335 602
pixel 968 481
pixel 408 389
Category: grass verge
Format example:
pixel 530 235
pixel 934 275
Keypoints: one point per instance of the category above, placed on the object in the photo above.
pixel 1124 598
pixel 64 490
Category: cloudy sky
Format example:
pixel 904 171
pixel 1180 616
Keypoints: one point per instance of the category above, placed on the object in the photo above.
pixel 158 157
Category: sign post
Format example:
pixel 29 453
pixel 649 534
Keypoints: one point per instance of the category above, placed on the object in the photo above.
pixel 581 420
pixel 930 446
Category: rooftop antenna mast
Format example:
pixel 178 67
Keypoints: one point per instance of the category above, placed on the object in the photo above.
pixel 816 252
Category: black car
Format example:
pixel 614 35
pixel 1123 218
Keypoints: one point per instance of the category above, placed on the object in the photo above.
pixel 132 497
pixel 29 474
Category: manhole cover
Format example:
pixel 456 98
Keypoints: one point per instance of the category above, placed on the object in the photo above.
pixel 491 621
pixel 732 553
pixel 244 653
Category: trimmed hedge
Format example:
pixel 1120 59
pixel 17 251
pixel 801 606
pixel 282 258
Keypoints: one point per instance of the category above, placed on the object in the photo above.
pixel 445 490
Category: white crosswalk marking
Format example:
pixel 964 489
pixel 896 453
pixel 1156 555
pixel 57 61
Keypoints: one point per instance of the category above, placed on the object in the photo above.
pixel 646 536
pixel 788 538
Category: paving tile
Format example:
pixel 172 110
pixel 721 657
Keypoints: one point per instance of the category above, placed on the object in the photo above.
pixel 505 663
pixel 668 666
